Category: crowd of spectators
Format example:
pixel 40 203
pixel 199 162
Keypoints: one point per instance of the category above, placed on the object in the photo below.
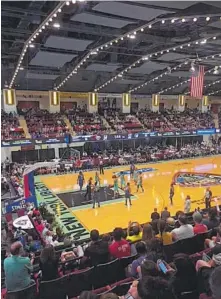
pixel 84 123
pixel 10 127
pixel 144 247
pixel 171 120
pixel 121 122
pixel 42 123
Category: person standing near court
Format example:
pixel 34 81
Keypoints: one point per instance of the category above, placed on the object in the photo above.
pixel 95 195
pixel 97 179
pixel 208 198
pixel 140 182
pixel 132 168
pixel 101 166
pixel 80 180
pixel 89 190
pixel 122 180
pixel 171 193
pixel 187 205
pixel 128 194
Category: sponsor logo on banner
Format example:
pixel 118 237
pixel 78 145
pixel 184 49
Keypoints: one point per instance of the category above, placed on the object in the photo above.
pixel 69 223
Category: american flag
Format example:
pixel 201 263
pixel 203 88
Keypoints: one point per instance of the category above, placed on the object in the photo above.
pixel 196 83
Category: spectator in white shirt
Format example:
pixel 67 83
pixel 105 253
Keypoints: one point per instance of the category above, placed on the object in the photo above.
pixel 184 231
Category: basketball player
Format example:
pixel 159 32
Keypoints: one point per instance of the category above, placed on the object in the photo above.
pixel 127 194
pixel 122 181
pixel 171 193
pixel 116 187
pixel 132 168
pixel 89 190
pixel 135 176
pixel 101 166
pixel 208 198
pixel 97 179
pixel 80 180
pixel 96 198
pixel 140 182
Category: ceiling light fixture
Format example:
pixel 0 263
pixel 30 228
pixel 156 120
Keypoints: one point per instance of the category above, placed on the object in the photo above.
pixel 195 19
pixel 31 46
pixel 183 20
pixel 56 25
pixel 207 19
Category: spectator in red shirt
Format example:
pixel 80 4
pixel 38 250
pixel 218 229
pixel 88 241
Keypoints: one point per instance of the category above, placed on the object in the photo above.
pixel 120 247
pixel 199 227
pixel 39 226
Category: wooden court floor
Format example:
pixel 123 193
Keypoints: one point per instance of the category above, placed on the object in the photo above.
pixel 156 185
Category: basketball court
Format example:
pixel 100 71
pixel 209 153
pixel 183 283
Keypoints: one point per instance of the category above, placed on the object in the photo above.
pixel 197 174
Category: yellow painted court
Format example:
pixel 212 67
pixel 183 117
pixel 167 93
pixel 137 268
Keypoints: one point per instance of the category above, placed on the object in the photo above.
pixel 156 184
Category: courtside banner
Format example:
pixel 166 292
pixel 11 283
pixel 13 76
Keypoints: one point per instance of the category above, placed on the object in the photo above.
pixel 91 138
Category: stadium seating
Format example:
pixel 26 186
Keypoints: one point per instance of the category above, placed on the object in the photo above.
pixel 10 129
pixel 41 123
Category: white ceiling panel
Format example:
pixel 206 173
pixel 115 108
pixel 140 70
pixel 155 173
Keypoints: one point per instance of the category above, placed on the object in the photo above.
pixel 99 20
pixel 216 24
pixel 60 42
pixel 170 4
pixel 129 11
pixel 173 57
pixel 102 67
pixel 36 76
pixel 148 68
pixel 51 59
pixel 127 81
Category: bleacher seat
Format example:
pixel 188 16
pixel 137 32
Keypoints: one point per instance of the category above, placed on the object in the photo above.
pixel 28 293
pixel 53 289
pixel 105 274
pixel 78 282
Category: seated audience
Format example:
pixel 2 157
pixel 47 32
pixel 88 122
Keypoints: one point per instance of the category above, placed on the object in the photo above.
pixel 97 252
pixel 164 234
pixel 184 278
pixel 142 254
pixel 48 263
pixel 17 269
pixel 119 247
pixel 136 231
pixel 212 221
pixel 148 234
pixel 154 287
pixel 184 231
pixel 215 284
pixel 199 227
pixel 210 243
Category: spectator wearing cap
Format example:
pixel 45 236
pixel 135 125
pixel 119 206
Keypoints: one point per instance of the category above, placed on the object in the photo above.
pixel 136 230
pixel 119 247
pixel 184 231
pixel 199 227
pixel 17 269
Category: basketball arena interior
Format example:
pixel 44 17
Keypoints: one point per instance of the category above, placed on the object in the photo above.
pixel 111 149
